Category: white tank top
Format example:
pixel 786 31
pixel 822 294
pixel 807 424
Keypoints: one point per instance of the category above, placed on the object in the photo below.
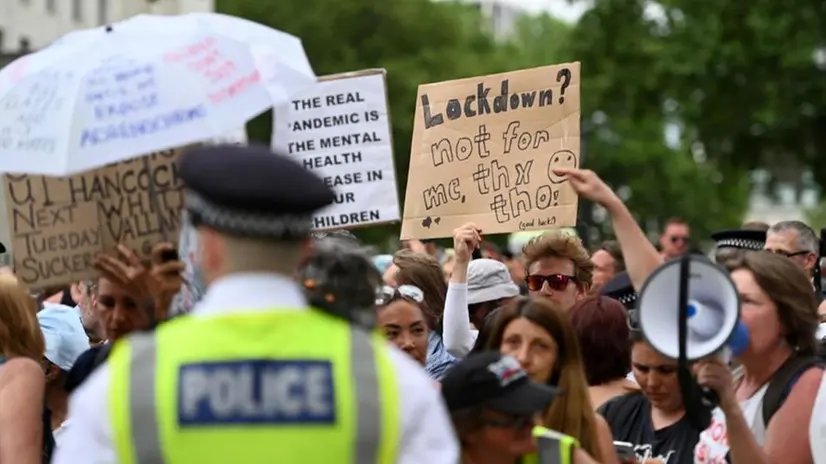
pixel 712 447
pixel 817 428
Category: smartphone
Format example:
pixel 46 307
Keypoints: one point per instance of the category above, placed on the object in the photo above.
pixel 169 255
pixel 625 452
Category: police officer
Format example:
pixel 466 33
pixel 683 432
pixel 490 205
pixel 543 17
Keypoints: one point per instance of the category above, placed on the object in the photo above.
pixel 254 375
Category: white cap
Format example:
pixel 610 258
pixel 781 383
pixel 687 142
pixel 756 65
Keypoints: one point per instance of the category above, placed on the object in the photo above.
pixel 63 332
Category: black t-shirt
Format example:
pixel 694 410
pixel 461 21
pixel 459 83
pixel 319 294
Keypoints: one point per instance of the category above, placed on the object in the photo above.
pixel 48 436
pixel 630 419
pixel 85 364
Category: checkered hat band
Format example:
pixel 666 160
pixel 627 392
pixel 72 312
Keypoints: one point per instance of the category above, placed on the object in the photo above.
pixel 245 223
pixel 741 243
pixel 628 298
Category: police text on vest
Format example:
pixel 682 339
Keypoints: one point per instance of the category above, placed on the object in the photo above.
pixel 256 392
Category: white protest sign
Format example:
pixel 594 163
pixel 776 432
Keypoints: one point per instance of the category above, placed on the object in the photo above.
pixel 340 129
pixel 235 137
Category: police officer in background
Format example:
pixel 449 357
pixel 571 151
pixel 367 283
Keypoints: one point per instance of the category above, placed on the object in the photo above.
pixel 254 375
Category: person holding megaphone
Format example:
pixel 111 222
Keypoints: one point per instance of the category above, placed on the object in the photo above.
pixel 763 411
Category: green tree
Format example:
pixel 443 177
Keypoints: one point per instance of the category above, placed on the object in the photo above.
pixel 659 182
pixel 537 40
pixel 745 80
pixel 683 64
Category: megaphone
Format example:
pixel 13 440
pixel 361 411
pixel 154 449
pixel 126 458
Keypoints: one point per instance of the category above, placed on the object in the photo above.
pixel 712 310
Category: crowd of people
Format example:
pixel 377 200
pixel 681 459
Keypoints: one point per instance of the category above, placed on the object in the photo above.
pixel 313 348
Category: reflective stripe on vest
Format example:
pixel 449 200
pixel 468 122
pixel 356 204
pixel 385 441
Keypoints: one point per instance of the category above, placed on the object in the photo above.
pixel 146 430
pixel 552 447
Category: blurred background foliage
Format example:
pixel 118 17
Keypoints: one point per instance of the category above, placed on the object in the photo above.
pixel 739 84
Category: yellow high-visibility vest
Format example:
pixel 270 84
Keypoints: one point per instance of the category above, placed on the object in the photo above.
pixel 552 448
pixel 275 386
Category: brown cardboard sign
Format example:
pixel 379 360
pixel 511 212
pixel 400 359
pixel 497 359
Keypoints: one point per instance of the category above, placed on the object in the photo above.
pixel 484 150
pixel 58 224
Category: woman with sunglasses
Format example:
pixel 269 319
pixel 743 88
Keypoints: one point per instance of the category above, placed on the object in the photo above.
pixel 402 320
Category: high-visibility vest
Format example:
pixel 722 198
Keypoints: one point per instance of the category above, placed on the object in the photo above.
pixel 275 386
pixel 552 448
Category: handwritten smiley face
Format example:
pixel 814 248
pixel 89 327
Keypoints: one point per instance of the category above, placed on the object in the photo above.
pixel 561 159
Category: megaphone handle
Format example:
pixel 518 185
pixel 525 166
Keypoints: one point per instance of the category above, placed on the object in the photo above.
pixel 709 398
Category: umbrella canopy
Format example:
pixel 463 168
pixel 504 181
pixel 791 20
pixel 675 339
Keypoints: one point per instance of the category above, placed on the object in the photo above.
pixel 150 83
pixel 279 56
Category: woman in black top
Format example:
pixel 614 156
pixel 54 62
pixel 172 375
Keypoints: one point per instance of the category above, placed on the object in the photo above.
pixel 653 420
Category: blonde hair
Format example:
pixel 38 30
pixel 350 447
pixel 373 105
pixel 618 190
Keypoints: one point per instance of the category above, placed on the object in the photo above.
pixel 561 245
pixel 20 333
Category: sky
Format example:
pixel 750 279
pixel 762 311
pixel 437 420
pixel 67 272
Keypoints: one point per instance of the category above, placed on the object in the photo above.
pixel 562 9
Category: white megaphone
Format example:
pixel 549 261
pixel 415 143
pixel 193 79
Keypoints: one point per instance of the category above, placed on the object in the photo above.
pixel 713 309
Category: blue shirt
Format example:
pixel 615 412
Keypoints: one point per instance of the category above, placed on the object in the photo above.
pixel 438 359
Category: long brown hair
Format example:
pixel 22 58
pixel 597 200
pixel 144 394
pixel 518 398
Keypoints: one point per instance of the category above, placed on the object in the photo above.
pixel 571 413
pixel 20 333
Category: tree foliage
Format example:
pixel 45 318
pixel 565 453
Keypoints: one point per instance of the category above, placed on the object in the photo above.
pixel 740 78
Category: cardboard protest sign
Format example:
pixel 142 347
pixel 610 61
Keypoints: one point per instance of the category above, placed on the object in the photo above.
pixel 484 149
pixel 59 224
pixel 340 129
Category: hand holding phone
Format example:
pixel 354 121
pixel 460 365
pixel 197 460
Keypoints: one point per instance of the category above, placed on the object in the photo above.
pixel 625 452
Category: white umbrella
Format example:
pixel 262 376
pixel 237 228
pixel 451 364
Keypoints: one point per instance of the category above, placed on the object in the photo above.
pixel 280 56
pixel 106 95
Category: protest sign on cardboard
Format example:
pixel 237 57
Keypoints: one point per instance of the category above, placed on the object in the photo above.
pixel 340 129
pixel 58 224
pixel 484 150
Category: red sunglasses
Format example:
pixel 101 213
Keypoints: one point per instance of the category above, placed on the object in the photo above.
pixel 558 282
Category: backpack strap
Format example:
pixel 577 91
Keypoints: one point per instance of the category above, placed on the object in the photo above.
pixel 782 382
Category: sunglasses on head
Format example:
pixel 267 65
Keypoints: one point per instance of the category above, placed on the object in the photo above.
pixel 556 282
pixel 388 294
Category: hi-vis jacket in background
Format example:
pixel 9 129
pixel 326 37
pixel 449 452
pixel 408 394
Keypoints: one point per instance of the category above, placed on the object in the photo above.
pixel 255 376
pixel 552 448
